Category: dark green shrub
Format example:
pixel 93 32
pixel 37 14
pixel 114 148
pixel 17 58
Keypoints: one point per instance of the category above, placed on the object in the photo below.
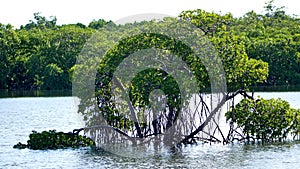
pixel 266 120
pixel 55 140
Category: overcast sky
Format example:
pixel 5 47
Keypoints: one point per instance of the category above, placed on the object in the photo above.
pixel 19 12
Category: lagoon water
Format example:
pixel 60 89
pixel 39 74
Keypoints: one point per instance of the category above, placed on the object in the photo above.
pixel 19 116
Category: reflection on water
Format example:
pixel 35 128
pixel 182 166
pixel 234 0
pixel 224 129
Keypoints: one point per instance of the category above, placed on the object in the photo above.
pixel 205 156
pixel 34 93
pixel 21 115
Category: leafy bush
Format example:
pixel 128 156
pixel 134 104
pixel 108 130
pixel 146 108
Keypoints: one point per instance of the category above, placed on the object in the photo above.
pixel 55 140
pixel 265 119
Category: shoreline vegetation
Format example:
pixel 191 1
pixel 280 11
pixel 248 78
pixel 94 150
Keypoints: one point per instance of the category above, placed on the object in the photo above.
pixel 260 50
pixel 41 55
pixel 5 93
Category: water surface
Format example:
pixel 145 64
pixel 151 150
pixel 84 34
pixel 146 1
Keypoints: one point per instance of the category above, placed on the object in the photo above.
pixel 19 116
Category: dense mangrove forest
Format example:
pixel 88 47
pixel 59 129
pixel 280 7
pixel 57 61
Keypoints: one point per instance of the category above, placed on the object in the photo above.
pixel 254 50
pixel 41 54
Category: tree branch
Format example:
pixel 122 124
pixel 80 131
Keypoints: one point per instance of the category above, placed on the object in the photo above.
pixel 131 108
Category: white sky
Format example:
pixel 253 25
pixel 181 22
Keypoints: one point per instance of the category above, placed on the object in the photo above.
pixel 19 12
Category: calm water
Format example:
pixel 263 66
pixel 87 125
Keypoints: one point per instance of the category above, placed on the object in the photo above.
pixel 21 115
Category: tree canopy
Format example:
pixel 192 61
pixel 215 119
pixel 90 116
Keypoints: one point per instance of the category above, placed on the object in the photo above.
pixel 40 54
pixel 256 49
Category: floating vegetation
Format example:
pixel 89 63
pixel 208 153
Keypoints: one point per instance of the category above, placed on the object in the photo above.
pixel 55 140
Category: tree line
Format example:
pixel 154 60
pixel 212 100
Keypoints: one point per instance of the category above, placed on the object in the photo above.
pixel 40 54
pixel 262 48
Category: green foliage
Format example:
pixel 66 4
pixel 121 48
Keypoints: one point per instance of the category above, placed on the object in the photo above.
pixel 149 80
pixel 210 23
pixel 39 55
pixel 40 22
pixel 55 140
pixel 265 120
pixel 253 49
pixel 239 69
pixel 145 82
pixel 9 43
pixel 273 38
pixel 52 77
pixel 97 24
